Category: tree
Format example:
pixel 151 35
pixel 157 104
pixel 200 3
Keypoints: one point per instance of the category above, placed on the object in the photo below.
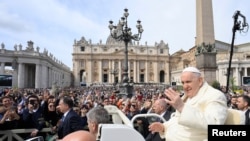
pixel 233 86
pixel 216 84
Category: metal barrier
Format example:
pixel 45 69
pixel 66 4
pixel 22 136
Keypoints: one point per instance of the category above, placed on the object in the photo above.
pixel 13 134
pixel 147 115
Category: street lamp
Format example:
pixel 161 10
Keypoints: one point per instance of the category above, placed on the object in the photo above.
pixel 122 32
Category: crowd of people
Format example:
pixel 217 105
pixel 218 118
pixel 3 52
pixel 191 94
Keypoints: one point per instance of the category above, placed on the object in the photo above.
pixel 74 110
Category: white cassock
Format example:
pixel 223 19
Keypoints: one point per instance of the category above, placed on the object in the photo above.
pixel 209 106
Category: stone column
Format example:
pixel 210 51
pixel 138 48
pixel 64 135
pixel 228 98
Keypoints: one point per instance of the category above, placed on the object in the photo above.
pixel 62 80
pixel 58 80
pixel 135 71
pixel 77 78
pixel 20 78
pixel 15 78
pixel 100 71
pixel 50 77
pixel 90 71
pixel 245 71
pixel 167 74
pixel 38 76
pixel 237 76
pixel 219 74
pixel 138 71
pixel 2 68
pixel 240 76
pixel 55 76
pixel 156 73
pixel 44 78
pixel 146 72
pixel 47 76
pixel 120 72
pixel 110 72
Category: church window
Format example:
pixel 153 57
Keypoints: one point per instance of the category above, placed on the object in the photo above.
pixel 83 48
pixel 142 78
pixel 161 51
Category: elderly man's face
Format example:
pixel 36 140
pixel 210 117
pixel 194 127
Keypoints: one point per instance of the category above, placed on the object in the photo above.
pixel 158 109
pixel 191 83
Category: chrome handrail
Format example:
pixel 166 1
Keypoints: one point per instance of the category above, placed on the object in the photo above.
pixel 147 115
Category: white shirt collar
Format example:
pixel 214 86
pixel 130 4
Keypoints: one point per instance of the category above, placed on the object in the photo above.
pixel 65 114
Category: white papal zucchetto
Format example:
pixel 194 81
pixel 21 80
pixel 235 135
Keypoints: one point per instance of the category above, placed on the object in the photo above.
pixel 191 69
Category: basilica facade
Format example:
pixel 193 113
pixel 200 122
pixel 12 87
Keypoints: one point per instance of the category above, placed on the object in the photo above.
pixel 104 63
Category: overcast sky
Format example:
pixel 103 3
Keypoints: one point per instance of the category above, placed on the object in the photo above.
pixel 55 24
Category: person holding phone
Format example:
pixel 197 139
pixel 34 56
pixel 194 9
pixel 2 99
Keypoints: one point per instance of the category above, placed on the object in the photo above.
pixel 33 116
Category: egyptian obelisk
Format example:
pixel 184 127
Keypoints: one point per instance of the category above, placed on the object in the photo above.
pixel 205 40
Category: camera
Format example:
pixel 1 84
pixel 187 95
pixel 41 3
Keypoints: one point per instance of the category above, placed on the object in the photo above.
pixel 172 87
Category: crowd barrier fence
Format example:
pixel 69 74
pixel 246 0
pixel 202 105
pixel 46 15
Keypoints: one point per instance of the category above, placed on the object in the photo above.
pixel 9 135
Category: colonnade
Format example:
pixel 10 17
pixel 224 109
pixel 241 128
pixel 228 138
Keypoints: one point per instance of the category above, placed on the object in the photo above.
pixel 32 69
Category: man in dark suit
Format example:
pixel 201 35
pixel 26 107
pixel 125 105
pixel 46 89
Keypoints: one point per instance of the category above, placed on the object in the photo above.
pixel 243 103
pixel 161 108
pixel 70 121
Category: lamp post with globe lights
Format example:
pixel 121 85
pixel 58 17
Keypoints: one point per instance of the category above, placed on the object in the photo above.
pixel 122 32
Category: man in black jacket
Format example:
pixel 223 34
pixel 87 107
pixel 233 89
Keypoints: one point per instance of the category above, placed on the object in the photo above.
pixel 33 116
pixel 243 103
pixel 70 121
